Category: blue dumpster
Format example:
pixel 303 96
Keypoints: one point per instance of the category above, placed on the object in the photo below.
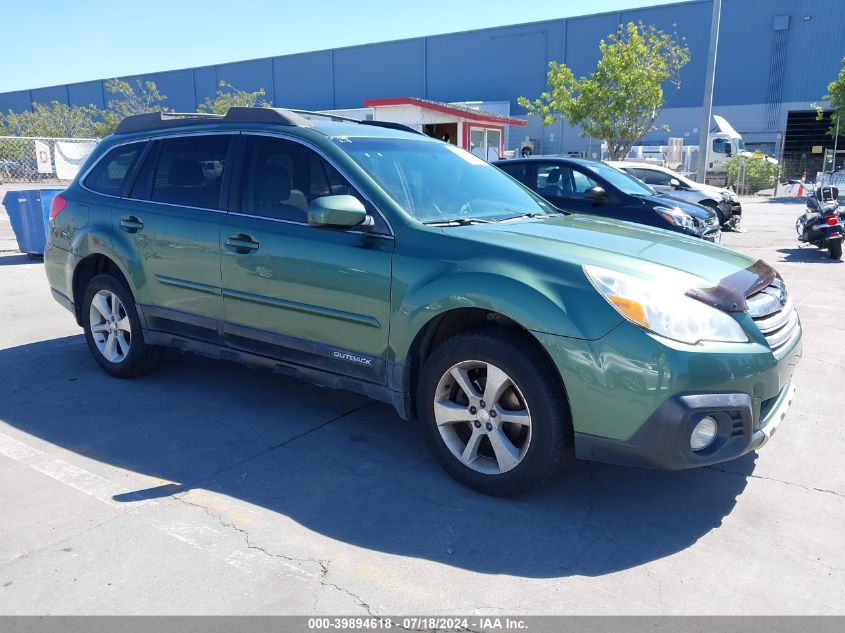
pixel 29 215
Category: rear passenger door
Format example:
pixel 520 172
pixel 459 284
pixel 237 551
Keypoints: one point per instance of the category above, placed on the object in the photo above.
pixel 316 297
pixel 170 220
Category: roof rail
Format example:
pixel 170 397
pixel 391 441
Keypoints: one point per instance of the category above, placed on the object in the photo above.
pixel 339 117
pixel 162 120
pixel 393 126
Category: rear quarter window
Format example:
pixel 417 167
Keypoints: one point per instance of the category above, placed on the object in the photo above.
pixel 110 174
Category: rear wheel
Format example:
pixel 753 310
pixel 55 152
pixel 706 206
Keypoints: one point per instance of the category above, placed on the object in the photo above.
pixel 834 249
pixel 493 413
pixel 113 329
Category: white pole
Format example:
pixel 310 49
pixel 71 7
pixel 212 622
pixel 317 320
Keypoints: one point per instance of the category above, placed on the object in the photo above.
pixel 707 104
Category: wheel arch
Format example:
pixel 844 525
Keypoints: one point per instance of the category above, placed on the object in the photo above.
pixel 446 324
pixel 89 267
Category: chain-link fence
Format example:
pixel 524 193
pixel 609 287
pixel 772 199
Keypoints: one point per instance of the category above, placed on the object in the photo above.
pixel 819 168
pixel 49 161
pixel 795 165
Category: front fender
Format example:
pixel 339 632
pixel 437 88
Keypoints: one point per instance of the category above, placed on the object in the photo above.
pixel 541 305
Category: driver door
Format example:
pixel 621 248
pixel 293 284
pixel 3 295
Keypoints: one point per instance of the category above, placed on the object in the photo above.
pixel 564 187
pixel 316 297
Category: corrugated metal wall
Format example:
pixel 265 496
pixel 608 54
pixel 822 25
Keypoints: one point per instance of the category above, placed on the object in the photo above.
pixel 502 64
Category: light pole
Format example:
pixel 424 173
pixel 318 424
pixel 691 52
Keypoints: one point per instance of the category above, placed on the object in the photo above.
pixel 707 104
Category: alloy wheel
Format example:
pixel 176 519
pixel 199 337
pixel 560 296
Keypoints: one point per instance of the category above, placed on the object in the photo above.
pixel 482 417
pixel 110 326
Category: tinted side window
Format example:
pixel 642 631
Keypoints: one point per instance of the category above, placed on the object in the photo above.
pixel 719 145
pixel 652 177
pixel 562 181
pixel 518 171
pixel 582 182
pixel 189 171
pixel 281 178
pixel 110 173
pixel 144 181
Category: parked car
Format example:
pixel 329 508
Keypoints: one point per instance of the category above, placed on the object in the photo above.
pixel 723 201
pixel 588 186
pixel 391 264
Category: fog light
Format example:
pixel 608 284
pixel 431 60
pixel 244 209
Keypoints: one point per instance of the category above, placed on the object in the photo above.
pixel 703 434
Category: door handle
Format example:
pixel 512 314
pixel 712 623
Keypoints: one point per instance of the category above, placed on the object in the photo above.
pixel 242 243
pixel 131 224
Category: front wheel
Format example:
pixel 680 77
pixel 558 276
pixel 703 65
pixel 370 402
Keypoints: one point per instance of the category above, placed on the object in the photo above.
pixel 493 413
pixel 113 329
pixel 834 249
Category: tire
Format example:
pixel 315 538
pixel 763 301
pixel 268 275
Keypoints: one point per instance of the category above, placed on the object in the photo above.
pixel 127 355
pixel 524 455
pixel 834 249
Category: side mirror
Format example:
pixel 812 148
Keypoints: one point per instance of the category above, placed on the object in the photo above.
pixel 596 194
pixel 339 211
pixel 676 184
pixel 728 149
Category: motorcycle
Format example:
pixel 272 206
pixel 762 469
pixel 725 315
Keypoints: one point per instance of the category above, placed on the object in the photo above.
pixel 821 224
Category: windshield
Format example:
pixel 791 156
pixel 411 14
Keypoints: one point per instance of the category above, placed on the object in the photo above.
pixel 738 145
pixel 435 182
pixel 621 180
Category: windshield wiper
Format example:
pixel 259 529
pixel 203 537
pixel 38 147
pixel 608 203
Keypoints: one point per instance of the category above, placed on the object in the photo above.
pixel 458 222
pixel 534 214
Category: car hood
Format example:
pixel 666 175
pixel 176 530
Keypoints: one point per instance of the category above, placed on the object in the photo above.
pixel 690 208
pixel 710 190
pixel 579 240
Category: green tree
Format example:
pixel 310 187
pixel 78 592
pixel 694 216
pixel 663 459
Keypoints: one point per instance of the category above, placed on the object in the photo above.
pixel 749 174
pixel 230 97
pixel 127 101
pixel 836 96
pixel 53 120
pixel 619 101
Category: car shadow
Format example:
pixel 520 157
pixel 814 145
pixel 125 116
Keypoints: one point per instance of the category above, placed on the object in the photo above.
pixel 19 259
pixel 784 200
pixel 349 468
pixel 807 254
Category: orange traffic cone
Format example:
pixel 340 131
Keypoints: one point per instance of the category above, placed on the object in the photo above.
pixel 801 186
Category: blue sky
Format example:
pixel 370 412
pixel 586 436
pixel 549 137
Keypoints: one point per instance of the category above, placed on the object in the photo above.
pixel 50 42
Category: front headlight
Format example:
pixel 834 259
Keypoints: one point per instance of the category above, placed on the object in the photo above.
pixel 675 216
pixel 666 311
pixel 729 196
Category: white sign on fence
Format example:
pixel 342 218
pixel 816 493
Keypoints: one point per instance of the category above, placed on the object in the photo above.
pixel 42 157
pixel 70 156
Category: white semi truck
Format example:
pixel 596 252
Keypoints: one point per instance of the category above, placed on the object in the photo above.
pixel 723 143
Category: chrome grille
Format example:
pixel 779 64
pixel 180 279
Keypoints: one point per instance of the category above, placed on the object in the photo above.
pixel 775 315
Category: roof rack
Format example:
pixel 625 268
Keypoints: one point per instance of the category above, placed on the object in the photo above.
pixel 339 117
pixel 280 116
pixel 162 120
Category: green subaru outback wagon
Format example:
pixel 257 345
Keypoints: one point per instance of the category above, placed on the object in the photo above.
pixel 368 257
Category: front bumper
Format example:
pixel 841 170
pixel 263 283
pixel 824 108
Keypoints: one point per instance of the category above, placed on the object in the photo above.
pixel 664 440
pixel 635 397
pixel 713 236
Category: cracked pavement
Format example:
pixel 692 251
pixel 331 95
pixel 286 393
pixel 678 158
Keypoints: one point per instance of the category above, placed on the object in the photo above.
pixel 209 488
